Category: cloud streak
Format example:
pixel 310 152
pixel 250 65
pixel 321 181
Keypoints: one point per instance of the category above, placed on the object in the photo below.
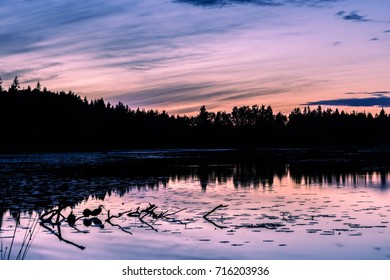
pixel 383 101
pixel 374 93
pixel 378 99
pixel 193 93
pixel 45 19
pixel 352 16
pixel 180 54
pixel 264 3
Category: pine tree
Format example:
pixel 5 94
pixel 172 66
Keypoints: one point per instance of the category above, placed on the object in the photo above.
pixel 38 87
pixel 15 85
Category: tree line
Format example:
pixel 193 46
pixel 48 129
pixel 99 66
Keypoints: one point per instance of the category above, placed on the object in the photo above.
pixel 37 119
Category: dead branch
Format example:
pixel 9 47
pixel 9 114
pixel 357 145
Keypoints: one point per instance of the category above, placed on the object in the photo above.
pixel 205 216
pixel 174 213
pixel 146 223
pixel 216 208
pixel 118 226
pixel 60 237
pixel 216 225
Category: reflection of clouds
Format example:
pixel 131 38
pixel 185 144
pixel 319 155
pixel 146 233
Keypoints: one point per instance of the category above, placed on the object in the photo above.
pixel 102 183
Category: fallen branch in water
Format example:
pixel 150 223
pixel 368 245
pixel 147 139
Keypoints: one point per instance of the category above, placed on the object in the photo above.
pixel 216 225
pixel 170 214
pixel 146 223
pixel 59 235
pixel 215 209
pixel 52 220
pixel 119 226
pixel 205 216
pixel 142 214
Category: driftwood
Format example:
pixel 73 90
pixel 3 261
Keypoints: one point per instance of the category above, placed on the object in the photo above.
pixel 57 215
pixel 205 216
pixel 52 220
pixel 58 234
pixel 150 212
pixel 215 208
pixel 142 214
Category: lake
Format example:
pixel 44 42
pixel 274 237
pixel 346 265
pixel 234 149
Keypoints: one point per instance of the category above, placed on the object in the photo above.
pixel 194 204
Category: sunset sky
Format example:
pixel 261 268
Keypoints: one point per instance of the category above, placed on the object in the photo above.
pixel 180 54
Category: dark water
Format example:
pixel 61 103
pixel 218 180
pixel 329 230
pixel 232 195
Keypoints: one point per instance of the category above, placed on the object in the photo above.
pixel 190 205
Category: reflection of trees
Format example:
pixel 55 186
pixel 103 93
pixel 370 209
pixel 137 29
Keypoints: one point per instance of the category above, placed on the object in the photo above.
pixel 339 176
pixel 247 175
pixel 34 187
pixel 51 189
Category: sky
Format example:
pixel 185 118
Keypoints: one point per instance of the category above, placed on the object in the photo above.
pixel 177 55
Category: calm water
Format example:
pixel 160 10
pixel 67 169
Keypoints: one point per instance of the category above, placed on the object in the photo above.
pixel 157 211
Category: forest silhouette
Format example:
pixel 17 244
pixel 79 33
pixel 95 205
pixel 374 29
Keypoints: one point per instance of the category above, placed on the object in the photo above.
pixel 42 120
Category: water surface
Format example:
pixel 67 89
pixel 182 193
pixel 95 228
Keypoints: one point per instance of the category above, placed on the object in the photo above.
pixel 159 209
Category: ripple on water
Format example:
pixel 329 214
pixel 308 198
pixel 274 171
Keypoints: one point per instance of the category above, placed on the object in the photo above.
pixel 355 234
pixel 313 230
pixel 313 216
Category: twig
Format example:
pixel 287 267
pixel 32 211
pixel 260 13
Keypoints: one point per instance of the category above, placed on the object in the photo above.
pixel 13 237
pixel 53 212
pixel 117 216
pixel 170 214
pixel 32 237
pixel 118 226
pixel 205 216
pixel 27 239
pixel 210 221
pixel 146 223
pixel 216 208
pixel 60 237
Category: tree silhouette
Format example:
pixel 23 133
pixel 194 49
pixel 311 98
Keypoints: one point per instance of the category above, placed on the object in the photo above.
pixel 204 118
pixel 42 120
pixel 15 86
pixel 38 87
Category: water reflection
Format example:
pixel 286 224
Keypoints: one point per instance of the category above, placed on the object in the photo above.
pixel 188 205
pixel 37 189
